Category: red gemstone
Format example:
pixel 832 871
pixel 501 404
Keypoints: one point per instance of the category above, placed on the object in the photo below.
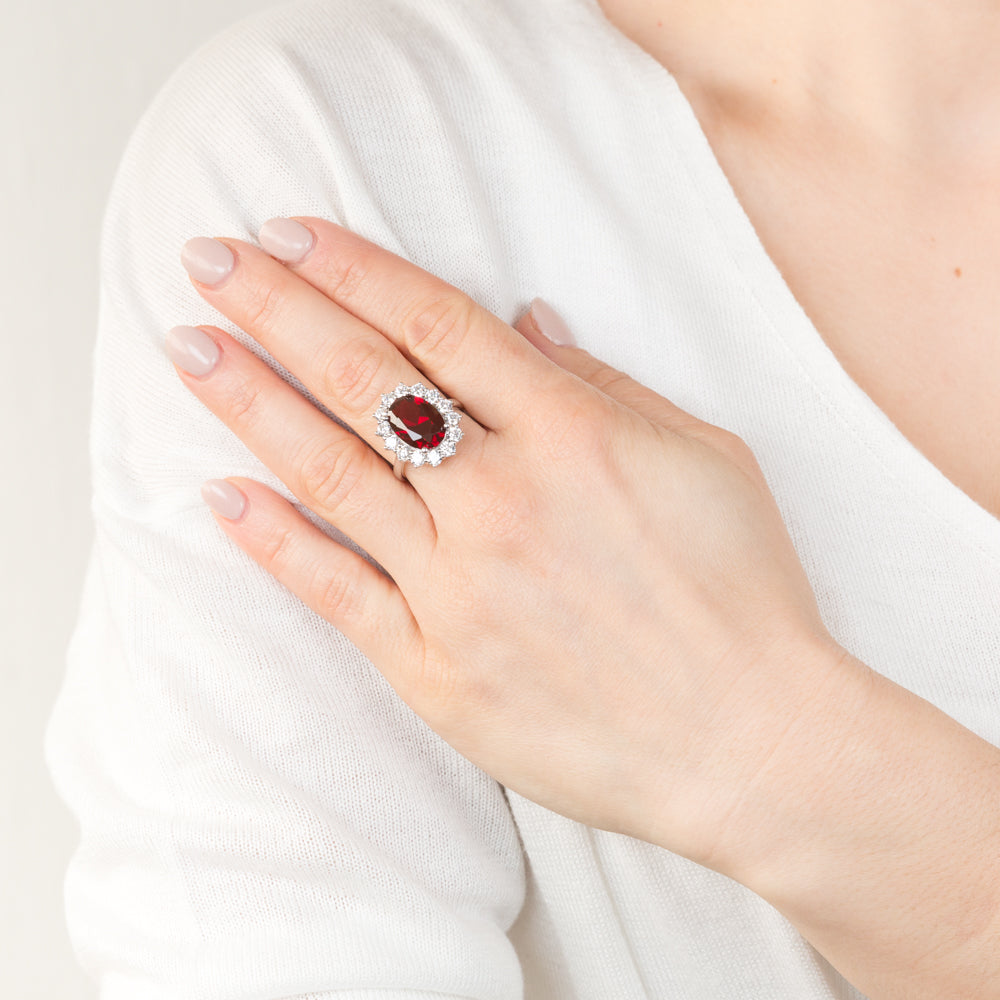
pixel 416 422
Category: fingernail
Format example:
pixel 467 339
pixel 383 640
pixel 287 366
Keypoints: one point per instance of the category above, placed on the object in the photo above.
pixel 192 349
pixel 551 323
pixel 286 239
pixel 207 260
pixel 224 498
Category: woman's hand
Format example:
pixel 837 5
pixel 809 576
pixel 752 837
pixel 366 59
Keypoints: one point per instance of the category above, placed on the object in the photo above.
pixel 594 599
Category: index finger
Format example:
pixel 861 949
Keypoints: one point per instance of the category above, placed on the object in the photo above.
pixel 463 348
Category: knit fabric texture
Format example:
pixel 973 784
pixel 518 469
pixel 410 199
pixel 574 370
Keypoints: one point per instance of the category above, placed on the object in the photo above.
pixel 261 816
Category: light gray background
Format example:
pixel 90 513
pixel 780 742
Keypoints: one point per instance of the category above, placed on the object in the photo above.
pixel 74 79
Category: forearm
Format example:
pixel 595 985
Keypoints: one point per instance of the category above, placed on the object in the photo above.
pixel 882 834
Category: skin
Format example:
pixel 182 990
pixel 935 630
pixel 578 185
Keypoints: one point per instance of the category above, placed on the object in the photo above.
pixel 700 705
pixel 705 709
pixel 862 139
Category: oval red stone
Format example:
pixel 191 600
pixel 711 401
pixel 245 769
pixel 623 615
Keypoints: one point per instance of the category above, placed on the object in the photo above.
pixel 416 422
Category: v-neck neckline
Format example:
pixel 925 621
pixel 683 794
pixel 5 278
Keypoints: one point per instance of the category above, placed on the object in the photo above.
pixel 867 423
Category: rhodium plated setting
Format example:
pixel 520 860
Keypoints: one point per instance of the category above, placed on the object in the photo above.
pixel 418 424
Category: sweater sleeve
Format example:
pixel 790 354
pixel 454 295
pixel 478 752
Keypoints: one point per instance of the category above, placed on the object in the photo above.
pixel 261 816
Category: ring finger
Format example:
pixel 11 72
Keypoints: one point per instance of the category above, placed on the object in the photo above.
pixel 343 361
pixel 332 471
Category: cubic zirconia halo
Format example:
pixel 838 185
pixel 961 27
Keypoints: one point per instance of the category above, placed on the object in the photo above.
pixel 418 424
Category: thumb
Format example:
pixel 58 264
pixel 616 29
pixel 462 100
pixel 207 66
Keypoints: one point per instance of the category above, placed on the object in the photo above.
pixel 547 330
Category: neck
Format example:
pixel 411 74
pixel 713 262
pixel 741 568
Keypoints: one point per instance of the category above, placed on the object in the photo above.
pixel 917 77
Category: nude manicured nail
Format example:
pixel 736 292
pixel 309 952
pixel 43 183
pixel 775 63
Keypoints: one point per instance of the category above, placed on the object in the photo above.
pixel 551 324
pixel 286 239
pixel 207 260
pixel 224 498
pixel 192 349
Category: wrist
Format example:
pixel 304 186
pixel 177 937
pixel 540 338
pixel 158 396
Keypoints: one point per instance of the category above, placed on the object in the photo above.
pixel 879 817
pixel 790 801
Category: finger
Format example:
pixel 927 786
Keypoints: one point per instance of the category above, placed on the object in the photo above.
pixel 610 381
pixel 337 583
pixel 333 472
pixel 466 350
pixel 342 361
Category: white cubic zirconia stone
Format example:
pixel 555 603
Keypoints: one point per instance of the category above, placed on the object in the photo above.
pixel 451 418
pixel 446 448
pixel 433 457
pixel 391 443
pixel 433 396
pixel 384 428
pixel 418 457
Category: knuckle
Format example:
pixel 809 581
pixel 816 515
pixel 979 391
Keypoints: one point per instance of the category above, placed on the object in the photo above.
pixel 243 404
pixel 742 454
pixel 329 474
pixel 346 276
pixel 263 307
pixel 435 691
pixel 437 327
pixel 503 516
pixel 334 595
pixel 735 444
pixel 354 375
pixel 276 552
pixel 458 692
pixel 609 380
pixel 731 445
pixel 573 432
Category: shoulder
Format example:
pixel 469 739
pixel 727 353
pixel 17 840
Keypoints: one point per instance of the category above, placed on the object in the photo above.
pixel 303 88
pixel 341 108
pixel 382 115
pixel 336 45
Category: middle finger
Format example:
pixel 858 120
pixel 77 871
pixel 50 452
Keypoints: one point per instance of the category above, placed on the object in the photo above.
pixel 343 361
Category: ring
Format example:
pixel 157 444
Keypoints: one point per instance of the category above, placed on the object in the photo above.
pixel 419 424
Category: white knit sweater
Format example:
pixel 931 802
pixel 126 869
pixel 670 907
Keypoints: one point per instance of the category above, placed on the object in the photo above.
pixel 261 815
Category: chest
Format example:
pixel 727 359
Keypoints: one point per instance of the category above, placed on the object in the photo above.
pixel 900 274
